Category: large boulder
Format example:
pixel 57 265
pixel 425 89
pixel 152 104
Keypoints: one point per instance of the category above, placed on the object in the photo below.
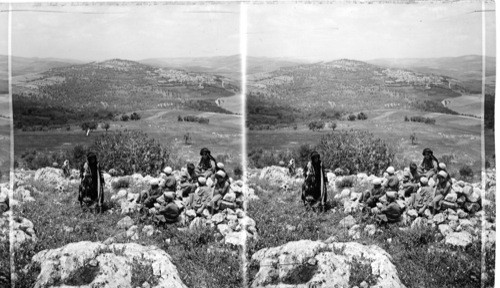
pixel 307 263
pixel 275 175
pixel 49 175
pixel 99 263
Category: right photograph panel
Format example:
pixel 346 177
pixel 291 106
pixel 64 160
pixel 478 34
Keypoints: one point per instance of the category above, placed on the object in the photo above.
pixel 370 145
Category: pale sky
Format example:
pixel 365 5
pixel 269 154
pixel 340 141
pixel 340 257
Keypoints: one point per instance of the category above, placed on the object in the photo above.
pixel 130 32
pixel 369 31
pixel 305 31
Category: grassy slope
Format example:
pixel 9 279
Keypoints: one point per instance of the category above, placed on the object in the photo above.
pixel 277 210
pixel 200 259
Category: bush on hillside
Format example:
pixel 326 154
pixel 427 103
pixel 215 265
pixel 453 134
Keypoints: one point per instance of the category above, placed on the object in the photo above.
pixel 362 116
pixel 357 151
pixel 466 172
pixel 131 152
pixel 316 125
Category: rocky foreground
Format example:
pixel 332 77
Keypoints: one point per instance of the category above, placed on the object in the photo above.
pixel 459 225
pixel 59 266
pixel 116 260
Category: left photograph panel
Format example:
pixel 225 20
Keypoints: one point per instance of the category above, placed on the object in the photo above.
pixel 127 145
pixel 5 148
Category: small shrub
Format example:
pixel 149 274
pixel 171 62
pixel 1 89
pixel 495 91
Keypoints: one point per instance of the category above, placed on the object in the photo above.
pixel 362 116
pixel 361 271
pixel 134 116
pixel 238 172
pixel 124 118
pixel 142 273
pixel 466 172
pixel 351 117
pixel 333 126
pixel 316 125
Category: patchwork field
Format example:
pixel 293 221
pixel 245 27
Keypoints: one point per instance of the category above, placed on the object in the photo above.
pixel 456 137
pixel 221 135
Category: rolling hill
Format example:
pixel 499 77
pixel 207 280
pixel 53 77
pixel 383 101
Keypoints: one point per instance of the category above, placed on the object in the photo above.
pixel 98 89
pixel 26 65
pixel 345 86
pixel 467 69
pixel 229 66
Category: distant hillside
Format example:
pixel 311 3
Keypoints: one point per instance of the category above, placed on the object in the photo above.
pixel 99 89
pixel 24 65
pixel 324 90
pixel 468 68
pixel 229 66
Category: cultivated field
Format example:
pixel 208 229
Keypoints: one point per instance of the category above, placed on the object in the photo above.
pixel 458 138
pixel 221 135
pixel 467 104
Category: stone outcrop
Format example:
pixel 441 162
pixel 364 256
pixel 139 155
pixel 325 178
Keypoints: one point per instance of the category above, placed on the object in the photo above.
pixel 307 263
pixel 94 264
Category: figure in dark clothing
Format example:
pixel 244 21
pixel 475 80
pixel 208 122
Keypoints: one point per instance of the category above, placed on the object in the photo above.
pixel 205 167
pixel 314 188
pixel 429 165
pixel 373 196
pixel 91 190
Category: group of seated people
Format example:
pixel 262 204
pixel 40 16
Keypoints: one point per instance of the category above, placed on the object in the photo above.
pixel 206 186
pixel 422 187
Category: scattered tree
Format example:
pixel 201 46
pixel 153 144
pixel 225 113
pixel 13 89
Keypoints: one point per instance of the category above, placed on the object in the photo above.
pixel 105 126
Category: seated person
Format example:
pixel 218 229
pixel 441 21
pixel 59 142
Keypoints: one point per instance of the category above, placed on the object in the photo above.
pixel 148 198
pixel 200 199
pixel 168 212
pixel 422 199
pixel 186 186
pixel 391 212
pixel 442 167
pixel 442 189
pixel 220 190
pixel 170 181
pixel 391 182
pixel 372 197
pixel 429 165
pixel 409 185
pixel 205 167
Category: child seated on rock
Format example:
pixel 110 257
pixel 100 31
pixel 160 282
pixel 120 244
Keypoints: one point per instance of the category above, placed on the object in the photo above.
pixel 409 185
pixel 391 212
pixel 372 197
pixel 422 199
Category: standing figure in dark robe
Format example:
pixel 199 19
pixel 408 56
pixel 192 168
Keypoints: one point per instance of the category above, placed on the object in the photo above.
pixel 91 190
pixel 314 187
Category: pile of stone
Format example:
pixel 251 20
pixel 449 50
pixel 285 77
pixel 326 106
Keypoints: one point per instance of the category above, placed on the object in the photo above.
pixel 130 231
pixel 307 263
pixel 99 262
pixel 234 225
